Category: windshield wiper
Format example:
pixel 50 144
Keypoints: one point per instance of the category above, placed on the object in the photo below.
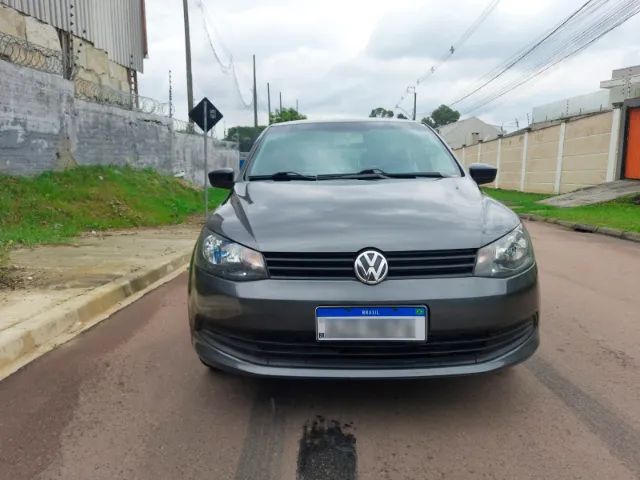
pixel 283 176
pixel 376 173
pixel 417 175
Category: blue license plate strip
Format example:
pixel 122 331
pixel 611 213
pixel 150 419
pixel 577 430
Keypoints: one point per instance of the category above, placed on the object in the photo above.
pixel 382 323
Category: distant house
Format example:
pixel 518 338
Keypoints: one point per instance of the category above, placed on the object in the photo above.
pixel 468 132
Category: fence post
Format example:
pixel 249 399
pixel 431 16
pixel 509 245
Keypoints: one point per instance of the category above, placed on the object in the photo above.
pixel 498 161
pixel 523 173
pixel 556 187
pixel 612 162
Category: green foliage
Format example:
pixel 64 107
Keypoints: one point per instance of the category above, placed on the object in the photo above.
pixel 623 213
pixel 441 116
pixel 381 113
pixel 245 136
pixel 286 115
pixel 55 206
pixel 402 116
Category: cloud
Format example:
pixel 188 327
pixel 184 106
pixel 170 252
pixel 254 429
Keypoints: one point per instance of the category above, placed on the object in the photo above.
pixel 342 58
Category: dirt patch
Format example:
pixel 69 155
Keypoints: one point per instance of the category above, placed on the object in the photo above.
pixel 327 451
pixel 11 278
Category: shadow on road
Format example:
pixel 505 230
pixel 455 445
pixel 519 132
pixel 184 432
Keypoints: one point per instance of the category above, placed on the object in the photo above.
pixel 431 394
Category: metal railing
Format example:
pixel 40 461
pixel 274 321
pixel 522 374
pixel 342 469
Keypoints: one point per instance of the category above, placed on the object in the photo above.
pixel 26 54
pixel 94 92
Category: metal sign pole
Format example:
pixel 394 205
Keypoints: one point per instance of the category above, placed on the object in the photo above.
pixel 206 186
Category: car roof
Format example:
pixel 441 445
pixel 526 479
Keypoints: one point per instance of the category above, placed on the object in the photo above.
pixel 345 120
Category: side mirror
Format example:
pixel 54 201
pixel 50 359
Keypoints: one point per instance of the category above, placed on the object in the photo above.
pixel 482 173
pixel 222 178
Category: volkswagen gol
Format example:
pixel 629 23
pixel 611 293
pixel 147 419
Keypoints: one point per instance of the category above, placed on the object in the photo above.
pixel 361 249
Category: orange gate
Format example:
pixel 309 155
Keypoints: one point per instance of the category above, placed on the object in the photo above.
pixel 632 160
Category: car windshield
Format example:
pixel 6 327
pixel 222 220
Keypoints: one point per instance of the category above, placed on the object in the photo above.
pixel 342 148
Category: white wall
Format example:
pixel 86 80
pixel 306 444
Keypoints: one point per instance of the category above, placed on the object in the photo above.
pixel 561 158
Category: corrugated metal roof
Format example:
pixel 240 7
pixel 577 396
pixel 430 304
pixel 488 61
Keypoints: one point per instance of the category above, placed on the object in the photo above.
pixel 115 26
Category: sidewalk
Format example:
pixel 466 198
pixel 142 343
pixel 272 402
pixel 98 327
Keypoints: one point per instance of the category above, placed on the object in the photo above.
pixel 57 292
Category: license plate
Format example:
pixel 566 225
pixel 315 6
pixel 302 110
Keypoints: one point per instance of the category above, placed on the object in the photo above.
pixel 405 323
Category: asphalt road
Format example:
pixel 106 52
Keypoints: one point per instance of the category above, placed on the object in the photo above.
pixel 129 399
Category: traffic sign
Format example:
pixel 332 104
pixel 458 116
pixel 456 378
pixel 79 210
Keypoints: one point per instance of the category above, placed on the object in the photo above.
pixel 205 115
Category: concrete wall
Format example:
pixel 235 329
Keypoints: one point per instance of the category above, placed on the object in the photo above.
pixel 542 158
pixel 91 63
pixel 27 28
pixel 586 152
pixel 44 127
pixel 560 158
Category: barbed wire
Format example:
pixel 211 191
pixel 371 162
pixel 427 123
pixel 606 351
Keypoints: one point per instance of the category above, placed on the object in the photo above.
pixel 95 92
pixel 182 126
pixel 20 52
pixel 26 54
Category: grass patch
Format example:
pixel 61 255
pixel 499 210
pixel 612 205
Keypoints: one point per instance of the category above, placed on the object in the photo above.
pixel 55 206
pixel 622 213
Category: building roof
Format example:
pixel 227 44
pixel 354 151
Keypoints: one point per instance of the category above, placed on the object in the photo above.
pixel 460 133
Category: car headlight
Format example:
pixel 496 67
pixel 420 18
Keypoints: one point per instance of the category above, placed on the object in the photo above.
pixel 506 256
pixel 231 260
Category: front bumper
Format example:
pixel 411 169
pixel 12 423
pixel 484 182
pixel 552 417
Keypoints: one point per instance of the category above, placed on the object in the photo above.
pixel 267 327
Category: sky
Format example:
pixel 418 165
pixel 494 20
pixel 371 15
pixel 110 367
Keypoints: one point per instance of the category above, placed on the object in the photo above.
pixel 342 58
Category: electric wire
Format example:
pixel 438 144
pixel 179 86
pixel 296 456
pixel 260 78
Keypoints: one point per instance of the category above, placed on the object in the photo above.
pixel 228 68
pixel 454 47
pixel 583 27
pixel 588 40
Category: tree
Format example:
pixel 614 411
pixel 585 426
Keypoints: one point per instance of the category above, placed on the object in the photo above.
pixel 428 121
pixel 245 136
pixel 286 115
pixel 381 113
pixel 443 115
pixel 402 116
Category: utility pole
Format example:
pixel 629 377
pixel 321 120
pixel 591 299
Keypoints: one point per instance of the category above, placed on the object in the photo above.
pixel 269 103
pixel 255 95
pixel 415 100
pixel 297 105
pixel 170 96
pixel 187 45
pixel 280 102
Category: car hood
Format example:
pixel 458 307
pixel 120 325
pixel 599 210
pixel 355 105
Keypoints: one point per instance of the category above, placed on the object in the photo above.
pixel 349 215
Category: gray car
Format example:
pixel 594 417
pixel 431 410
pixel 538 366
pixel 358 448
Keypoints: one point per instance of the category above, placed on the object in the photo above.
pixel 361 249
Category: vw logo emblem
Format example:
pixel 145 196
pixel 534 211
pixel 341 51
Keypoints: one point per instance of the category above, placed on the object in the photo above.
pixel 371 267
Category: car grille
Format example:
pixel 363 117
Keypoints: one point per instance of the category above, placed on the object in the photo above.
pixel 322 266
pixel 439 350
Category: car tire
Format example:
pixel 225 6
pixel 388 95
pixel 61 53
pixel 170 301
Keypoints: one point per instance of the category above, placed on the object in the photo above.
pixel 211 368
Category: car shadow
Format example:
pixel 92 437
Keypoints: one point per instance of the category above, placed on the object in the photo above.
pixel 493 390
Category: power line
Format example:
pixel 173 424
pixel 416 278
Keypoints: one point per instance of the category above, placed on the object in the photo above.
pixel 228 68
pixel 461 41
pixel 527 51
pixel 454 47
pixel 577 32
pixel 556 60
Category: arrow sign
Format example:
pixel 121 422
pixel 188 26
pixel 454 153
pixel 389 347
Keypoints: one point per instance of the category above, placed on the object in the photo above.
pixel 205 115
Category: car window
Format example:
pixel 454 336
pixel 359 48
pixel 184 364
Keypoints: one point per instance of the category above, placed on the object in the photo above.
pixel 350 147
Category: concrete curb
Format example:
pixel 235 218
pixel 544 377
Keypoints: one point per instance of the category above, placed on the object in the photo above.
pixel 26 341
pixel 581 227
